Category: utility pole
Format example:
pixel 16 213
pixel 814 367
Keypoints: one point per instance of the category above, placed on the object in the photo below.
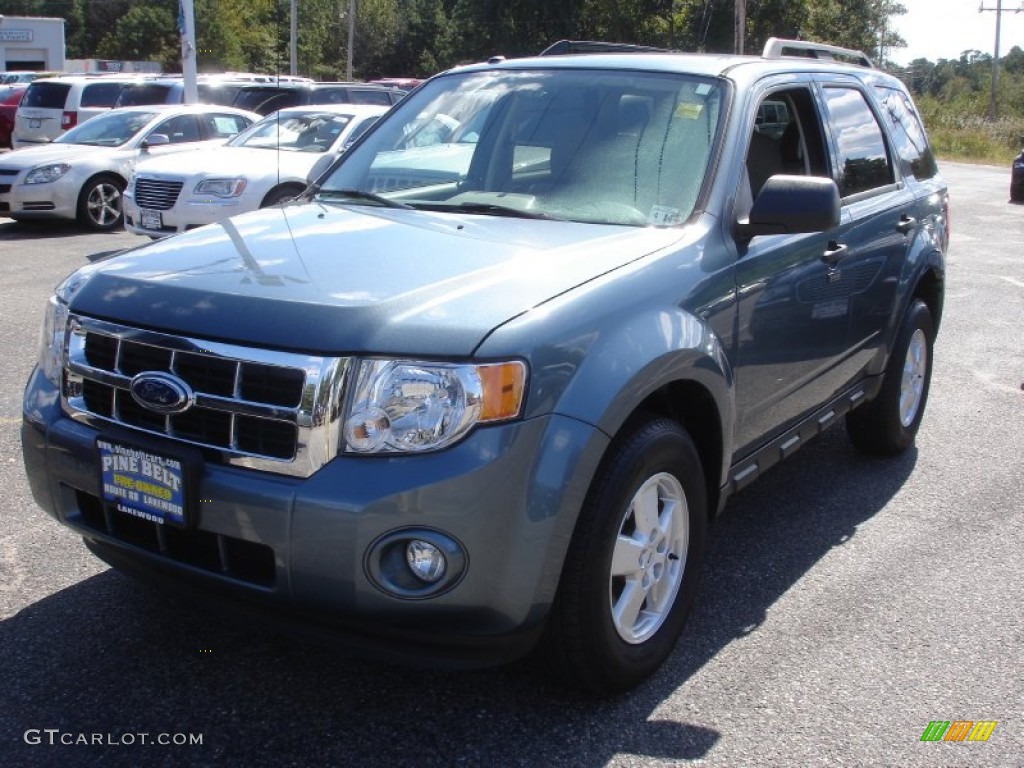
pixel 293 45
pixel 999 11
pixel 351 36
pixel 187 30
pixel 739 25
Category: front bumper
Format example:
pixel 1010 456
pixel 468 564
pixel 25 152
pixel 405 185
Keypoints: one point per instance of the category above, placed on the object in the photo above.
pixel 186 214
pixel 56 199
pixel 299 549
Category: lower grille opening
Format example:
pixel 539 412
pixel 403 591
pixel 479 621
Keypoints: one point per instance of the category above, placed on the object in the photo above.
pixel 239 559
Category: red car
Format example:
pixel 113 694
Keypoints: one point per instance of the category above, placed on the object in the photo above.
pixel 10 98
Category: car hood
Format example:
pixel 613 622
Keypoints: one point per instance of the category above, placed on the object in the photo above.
pixel 30 157
pixel 233 161
pixel 331 279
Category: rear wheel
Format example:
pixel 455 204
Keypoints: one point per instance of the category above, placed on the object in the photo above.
pixel 889 423
pixel 100 202
pixel 631 571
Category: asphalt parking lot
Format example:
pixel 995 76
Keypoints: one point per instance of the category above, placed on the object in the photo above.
pixel 846 602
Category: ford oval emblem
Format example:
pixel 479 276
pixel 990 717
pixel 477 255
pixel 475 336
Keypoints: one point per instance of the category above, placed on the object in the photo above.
pixel 162 392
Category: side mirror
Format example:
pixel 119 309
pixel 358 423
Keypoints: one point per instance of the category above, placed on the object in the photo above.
pixel 321 165
pixel 154 140
pixel 792 204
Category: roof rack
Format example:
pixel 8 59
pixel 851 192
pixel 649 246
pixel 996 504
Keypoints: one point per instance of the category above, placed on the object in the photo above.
pixel 563 47
pixel 777 47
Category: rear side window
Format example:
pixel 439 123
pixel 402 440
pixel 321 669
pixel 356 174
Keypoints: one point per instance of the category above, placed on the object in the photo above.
pixel 46 95
pixel 371 97
pixel 218 94
pixel 223 126
pixel 863 161
pixel 179 129
pixel 268 99
pixel 139 95
pixel 330 96
pixel 100 94
pixel 916 158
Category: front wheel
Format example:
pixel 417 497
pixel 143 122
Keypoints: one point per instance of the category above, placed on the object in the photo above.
pixel 631 572
pixel 280 195
pixel 889 423
pixel 99 203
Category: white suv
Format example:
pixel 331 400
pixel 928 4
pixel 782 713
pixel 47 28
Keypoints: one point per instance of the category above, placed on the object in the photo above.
pixel 54 105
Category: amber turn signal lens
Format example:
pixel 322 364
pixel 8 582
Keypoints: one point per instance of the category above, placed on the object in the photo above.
pixel 503 388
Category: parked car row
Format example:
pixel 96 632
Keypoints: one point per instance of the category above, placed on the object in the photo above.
pixel 83 173
pixel 51 106
pixel 115 163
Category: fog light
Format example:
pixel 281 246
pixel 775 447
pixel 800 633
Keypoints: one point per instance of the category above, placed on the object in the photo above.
pixel 416 563
pixel 425 560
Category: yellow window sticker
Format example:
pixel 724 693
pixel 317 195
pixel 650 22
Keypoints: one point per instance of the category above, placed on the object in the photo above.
pixel 685 111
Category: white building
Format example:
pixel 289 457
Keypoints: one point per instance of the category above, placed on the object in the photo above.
pixel 31 43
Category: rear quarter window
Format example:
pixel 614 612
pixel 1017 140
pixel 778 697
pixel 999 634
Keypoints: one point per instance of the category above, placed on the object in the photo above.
pixel 100 94
pixel 46 95
pixel 908 136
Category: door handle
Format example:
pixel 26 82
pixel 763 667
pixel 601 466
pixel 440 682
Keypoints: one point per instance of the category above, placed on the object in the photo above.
pixel 906 224
pixel 834 252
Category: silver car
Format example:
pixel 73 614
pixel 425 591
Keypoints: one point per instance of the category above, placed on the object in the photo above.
pixel 82 174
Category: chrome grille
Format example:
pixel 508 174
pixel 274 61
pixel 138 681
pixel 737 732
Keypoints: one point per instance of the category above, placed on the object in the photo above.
pixel 274 411
pixel 156 195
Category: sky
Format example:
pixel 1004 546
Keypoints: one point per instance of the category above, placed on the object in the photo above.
pixel 941 29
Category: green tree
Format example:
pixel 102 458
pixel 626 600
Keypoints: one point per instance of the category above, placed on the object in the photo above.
pixel 145 33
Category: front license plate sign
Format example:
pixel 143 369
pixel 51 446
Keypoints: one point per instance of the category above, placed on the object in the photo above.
pixel 142 483
pixel 151 219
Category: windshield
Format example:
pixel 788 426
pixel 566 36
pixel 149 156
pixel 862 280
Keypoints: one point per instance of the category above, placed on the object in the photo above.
pixel 303 132
pixel 108 130
pixel 594 146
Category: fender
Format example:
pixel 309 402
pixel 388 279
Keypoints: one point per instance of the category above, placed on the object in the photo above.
pixel 600 367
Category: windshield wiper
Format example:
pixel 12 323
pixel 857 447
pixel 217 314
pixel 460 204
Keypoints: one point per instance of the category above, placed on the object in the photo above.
pixel 488 209
pixel 355 194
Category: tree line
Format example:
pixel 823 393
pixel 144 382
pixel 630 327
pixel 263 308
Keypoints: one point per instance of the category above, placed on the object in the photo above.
pixel 417 38
pixel 421 37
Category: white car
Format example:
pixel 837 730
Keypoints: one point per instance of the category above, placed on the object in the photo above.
pixel 270 162
pixel 82 174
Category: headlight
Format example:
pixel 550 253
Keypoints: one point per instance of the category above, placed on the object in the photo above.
pixel 221 187
pixel 51 342
pixel 405 406
pixel 46 173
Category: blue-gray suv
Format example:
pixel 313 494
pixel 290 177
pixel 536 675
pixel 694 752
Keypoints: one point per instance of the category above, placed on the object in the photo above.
pixel 482 387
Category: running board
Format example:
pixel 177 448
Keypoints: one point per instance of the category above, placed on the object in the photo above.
pixel 744 472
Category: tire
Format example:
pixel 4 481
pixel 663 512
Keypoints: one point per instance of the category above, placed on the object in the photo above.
pixel 889 423
pixel 631 572
pixel 100 204
pixel 280 195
